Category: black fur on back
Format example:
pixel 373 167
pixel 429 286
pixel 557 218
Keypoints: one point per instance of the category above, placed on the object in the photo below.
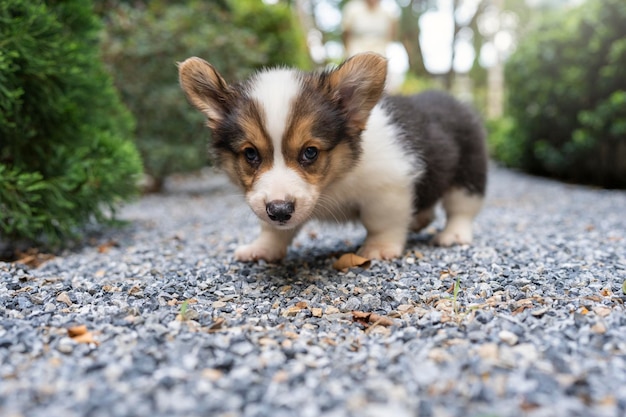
pixel 449 139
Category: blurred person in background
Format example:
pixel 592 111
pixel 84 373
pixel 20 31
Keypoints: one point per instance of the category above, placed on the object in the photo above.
pixel 368 27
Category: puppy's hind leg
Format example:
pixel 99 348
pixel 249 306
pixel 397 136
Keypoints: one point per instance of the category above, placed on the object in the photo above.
pixel 461 208
pixel 423 218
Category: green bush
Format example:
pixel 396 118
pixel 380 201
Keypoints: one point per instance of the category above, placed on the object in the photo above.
pixel 65 158
pixel 502 143
pixel 566 97
pixel 143 44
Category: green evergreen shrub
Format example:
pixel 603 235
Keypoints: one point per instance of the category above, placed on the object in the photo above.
pixel 566 97
pixel 143 45
pixel 65 158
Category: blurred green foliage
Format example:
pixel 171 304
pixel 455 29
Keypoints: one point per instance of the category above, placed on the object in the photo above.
pixel 144 41
pixel 414 84
pixel 566 100
pixel 502 143
pixel 66 155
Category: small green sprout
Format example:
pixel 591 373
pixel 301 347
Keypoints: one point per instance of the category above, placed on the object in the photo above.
pixel 455 294
pixel 183 309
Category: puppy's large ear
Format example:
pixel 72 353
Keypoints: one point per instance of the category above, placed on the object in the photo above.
pixel 205 89
pixel 358 84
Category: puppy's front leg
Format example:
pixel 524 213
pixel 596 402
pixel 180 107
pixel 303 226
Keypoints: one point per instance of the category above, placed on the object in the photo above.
pixel 271 245
pixel 387 219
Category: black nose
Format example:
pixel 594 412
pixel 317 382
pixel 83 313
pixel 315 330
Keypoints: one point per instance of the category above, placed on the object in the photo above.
pixel 279 210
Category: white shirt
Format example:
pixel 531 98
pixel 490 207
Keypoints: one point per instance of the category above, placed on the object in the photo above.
pixel 367 29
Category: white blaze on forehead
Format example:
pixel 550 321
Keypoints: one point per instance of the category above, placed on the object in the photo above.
pixel 275 91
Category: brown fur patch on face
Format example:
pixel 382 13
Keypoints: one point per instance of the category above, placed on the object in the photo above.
pixel 334 164
pixel 250 133
pixel 335 157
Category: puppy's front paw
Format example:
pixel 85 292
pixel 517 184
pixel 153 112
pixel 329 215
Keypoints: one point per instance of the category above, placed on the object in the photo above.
pixel 256 251
pixel 380 250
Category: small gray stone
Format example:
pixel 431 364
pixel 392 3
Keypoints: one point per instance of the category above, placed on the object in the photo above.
pixel 65 345
pixel 353 303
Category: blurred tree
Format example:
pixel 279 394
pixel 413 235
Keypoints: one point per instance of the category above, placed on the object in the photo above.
pixel 470 23
pixel 409 33
pixel 567 96
pixel 144 40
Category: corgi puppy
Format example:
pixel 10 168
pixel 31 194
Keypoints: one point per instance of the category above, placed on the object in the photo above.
pixel 330 145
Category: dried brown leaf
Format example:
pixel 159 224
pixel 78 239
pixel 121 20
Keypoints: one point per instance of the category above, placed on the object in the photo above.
pixel 106 246
pixel 291 311
pixel 447 273
pixel 372 319
pixel 518 311
pixel 217 325
pixel 521 306
pixel 32 257
pixel 351 260
pixel 135 290
pixel 85 338
pixel 77 330
pixel 80 334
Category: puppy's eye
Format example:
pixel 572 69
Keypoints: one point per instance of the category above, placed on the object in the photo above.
pixel 252 156
pixel 309 155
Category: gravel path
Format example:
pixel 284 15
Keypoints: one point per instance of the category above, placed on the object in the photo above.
pixel 177 328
